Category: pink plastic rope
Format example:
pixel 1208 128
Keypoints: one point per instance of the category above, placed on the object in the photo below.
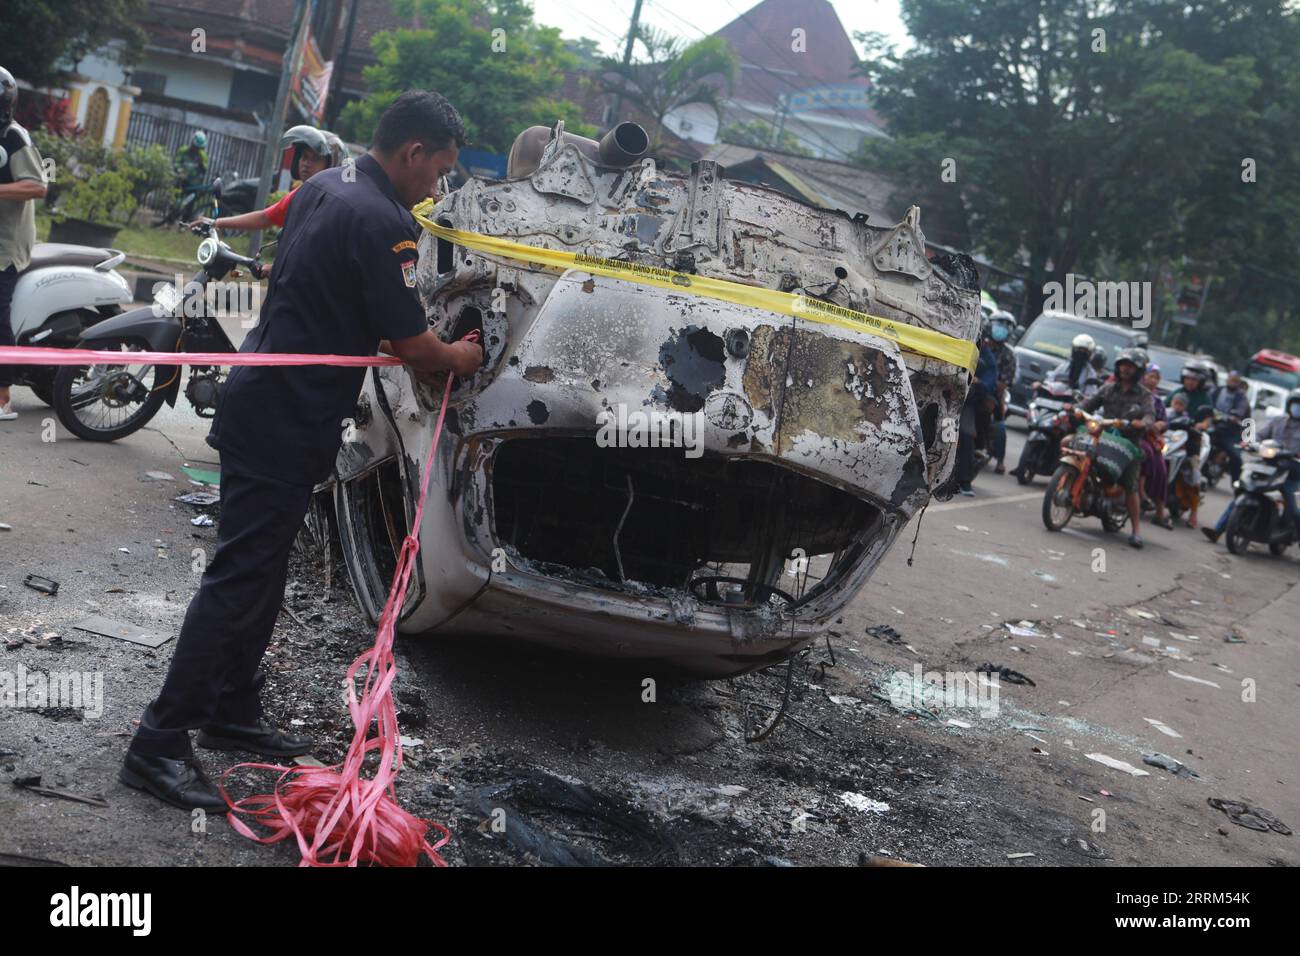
pixel 339 816
pixel 32 355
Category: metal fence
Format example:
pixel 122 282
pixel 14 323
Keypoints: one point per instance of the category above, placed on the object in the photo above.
pixel 226 153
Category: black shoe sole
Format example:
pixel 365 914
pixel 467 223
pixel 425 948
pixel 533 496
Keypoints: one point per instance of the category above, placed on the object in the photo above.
pixel 209 742
pixel 137 782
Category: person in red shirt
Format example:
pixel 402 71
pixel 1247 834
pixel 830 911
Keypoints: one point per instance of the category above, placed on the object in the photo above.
pixel 313 150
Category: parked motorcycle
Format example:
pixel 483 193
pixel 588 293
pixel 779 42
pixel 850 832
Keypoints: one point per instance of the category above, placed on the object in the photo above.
pixel 108 402
pixel 64 290
pixel 201 201
pixel 1086 481
pixel 1257 510
pixel 1049 422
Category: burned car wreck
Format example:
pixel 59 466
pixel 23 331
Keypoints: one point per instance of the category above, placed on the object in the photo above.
pixel 815 443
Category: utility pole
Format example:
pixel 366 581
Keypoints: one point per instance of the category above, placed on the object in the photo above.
pixel 627 59
pixel 275 126
pixel 340 69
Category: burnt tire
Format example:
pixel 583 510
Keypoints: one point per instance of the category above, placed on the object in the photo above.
pixel 1058 488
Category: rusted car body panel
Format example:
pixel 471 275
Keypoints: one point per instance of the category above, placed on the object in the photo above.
pixel 818 443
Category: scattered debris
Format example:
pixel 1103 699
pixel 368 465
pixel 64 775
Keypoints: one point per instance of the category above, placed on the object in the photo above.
pixel 1114 764
pixel 1006 673
pixel 1023 629
pixel 204 476
pixel 202 521
pixel 5 527
pixel 1162 727
pixel 1019 856
pixel 1194 680
pixel 1233 639
pixel 867 859
pixel 122 631
pixel 860 801
pixel 885 633
pixel 959 723
pixel 157 476
pixel 1251 817
pixel 33 785
pixel 45 585
pixel 1165 762
pixel 201 499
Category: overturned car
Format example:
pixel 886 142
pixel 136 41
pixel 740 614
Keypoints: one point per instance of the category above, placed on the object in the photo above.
pixel 646 472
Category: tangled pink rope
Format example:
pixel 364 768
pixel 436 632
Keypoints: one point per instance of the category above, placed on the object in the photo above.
pixel 339 816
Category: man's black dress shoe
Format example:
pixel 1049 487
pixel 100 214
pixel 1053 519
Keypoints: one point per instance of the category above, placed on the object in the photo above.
pixel 259 738
pixel 182 783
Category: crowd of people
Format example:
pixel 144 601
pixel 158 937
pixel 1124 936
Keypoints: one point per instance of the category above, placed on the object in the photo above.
pixel 1130 391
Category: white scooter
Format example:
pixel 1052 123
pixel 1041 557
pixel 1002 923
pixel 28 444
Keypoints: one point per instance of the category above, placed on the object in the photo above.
pixel 64 290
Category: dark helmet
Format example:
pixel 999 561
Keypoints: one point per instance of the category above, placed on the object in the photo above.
pixel 1098 358
pixel 8 96
pixel 299 137
pixel 1135 357
pixel 1292 398
pixel 1198 370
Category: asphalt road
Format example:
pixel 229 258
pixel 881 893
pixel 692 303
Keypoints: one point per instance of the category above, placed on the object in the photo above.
pixel 1112 631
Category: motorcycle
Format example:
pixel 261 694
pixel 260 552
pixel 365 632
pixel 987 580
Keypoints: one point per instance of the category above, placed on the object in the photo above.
pixel 1048 424
pixel 198 201
pixel 1185 482
pixel 64 290
pixel 1081 484
pixel 108 402
pixel 1257 510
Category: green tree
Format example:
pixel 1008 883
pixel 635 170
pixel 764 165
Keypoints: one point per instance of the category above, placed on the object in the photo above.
pixel 502 71
pixel 671 75
pixel 41 39
pixel 1067 148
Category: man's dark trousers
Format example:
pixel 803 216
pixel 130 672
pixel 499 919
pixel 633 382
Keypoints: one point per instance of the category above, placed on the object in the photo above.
pixel 212 679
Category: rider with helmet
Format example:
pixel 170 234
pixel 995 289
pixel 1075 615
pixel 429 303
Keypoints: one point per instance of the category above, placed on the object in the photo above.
pixel 998 334
pixel 1077 370
pixel 192 171
pixel 312 151
pixel 1285 430
pixel 1128 399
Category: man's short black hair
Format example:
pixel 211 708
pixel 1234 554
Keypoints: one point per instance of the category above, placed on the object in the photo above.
pixel 420 115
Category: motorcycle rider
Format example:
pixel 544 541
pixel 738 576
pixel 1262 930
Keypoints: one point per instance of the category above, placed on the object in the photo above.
pixel 1188 497
pixel 1285 430
pixel 191 166
pixel 975 416
pixel 1231 403
pixel 1155 471
pixel 1077 369
pixel 1000 326
pixel 1127 398
pixel 1195 375
pixel 22 182
pixel 313 150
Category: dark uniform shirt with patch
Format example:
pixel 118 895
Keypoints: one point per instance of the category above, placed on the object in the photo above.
pixel 344 278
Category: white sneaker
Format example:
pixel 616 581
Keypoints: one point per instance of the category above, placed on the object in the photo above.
pixel 7 414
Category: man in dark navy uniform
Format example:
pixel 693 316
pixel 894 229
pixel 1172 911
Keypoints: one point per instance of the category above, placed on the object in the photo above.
pixel 343 283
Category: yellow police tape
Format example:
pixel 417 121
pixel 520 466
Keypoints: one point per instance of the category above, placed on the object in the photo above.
pixel 922 341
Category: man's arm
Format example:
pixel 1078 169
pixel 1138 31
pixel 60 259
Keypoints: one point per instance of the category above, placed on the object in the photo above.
pixel 427 353
pixel 22 190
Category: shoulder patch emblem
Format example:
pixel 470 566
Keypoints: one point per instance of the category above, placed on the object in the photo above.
pixel 408 273
pixel 404 244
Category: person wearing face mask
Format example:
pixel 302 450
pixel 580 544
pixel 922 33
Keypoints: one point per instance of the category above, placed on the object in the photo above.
pixel 1001 325
pixel 1285 430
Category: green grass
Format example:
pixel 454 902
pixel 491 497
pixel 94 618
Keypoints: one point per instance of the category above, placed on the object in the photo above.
pixel 140 239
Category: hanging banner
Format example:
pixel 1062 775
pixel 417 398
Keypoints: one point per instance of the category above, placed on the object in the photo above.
pixel 311 79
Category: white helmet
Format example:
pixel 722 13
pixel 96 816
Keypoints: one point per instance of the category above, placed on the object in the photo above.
pixel 1083 342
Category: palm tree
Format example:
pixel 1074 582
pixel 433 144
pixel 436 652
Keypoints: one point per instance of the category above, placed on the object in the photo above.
pixel 673 74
